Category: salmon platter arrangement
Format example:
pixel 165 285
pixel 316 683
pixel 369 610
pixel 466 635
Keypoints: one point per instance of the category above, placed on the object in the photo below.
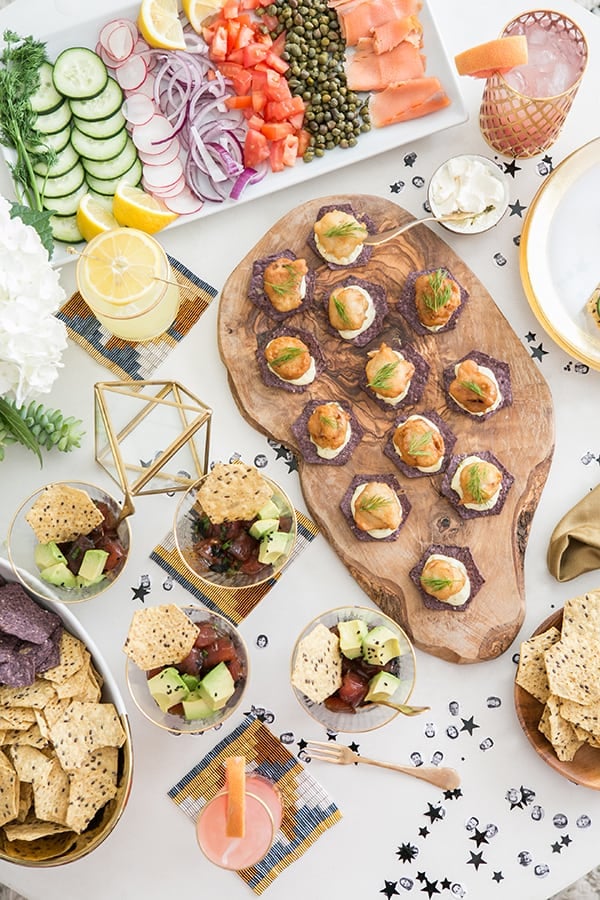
pixel 410 405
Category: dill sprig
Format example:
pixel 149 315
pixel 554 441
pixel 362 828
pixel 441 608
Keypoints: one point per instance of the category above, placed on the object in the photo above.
pixel 328 420
pixel 286 356
pixel 418 445
pixel 383 375
pixel 344 229
pixel 436 584
pixel 371 504
pixel 474 483
pixel 473 387
pixel 291 282
pixel 341 310
pixel 439 292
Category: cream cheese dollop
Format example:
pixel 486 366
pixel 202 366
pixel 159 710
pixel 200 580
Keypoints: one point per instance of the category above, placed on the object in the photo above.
pixel 470 184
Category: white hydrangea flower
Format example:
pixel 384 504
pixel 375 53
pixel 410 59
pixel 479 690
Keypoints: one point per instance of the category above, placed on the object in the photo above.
pixel 32 339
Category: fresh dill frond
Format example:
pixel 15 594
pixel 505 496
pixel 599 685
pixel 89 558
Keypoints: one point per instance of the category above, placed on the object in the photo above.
pixel 371 504
pixel 328 421
pixel 345 229
pixel 439 291
pixel 287 286
pixel 341 310
pixel 419 444
pixel 286 356
pixel 473 387
pixel 474 483
pixel 383 376
pixel 436 584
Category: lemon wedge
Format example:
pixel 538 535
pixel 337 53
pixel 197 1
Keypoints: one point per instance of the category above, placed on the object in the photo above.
pixel 120 266
pixel 134 208
pixel 93 217
pixel 197 11
pixel 159 24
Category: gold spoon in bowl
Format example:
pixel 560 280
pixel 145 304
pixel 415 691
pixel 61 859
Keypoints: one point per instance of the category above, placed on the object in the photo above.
pixel 373 240
pixel 403 708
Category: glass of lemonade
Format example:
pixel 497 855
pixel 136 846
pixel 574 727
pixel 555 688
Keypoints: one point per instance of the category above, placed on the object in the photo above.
pixel 523 111
pixel 125 277
pixel 264 811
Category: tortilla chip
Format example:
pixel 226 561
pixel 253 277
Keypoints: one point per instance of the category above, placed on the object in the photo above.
pixel 318 665
pixel 587 717
pixel 9 790
pixel 581 617
pixel 51 794
pixel 159 636
pixel 62 513
pixel 558 731
pixel 83 728
pixel 21 717
pixel 25 800
pixel 531 673
pixel 43 848
pixel 32 737
pixel 80 685
pixel 29 762
pixel 35 695
pixel 72 658
pixel 31 831
pixel 232 492
pixel 573 668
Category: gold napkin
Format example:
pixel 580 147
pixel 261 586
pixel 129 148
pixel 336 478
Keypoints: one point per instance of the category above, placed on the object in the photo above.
pixel 575 542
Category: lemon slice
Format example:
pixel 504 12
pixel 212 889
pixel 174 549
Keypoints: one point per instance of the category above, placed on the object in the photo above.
pixel 93 217
pixel 135 208
pixel 197 11
pixel 120 266
pixel 159 23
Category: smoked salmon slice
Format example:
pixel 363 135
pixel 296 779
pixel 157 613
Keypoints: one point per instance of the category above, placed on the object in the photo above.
pixel 358 18
pixel 386 37
pixel 407 100
pixel 370 71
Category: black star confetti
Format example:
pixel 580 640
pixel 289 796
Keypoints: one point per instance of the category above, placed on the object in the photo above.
pixel 557 847
pixel 139 593
pixel 476 860
pixel 453 795
pixel 516 209
pixel 468 725
pixel 331 736
pixel 538 352
pixel 530 336
pixel 512 168
pixel 480 837
pixel 434 813
pixel 423 832
pixel 421 877
pixel 445 884
pixel 389 890
pixel 548 160
pixel 354 746
pixel 396 187
pixel 430 888
pixel 498 877
pixel 302 744
pixel 566 840
pixel 407 852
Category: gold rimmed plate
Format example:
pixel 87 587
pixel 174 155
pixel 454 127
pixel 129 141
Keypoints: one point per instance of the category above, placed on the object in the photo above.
pixel 584 768
pixel 559 253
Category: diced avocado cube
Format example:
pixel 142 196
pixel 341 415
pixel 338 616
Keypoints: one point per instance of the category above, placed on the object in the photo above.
pixel 217 686
pixel 46 555
pixel 351 637
pixel 191 681
pixel 269 511
pixel 168 688
pixel 196 707
pixel 86 582
pixel 92 565
pixel 380 645
pixel 59 575
pixel 274 545
pixel 262 527
pixel 381 687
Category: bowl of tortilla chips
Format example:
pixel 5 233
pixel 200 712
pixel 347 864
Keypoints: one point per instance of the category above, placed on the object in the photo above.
pixel 235 528
pixel 187 667
pixel 66 759
pixel 334 677
pixel 52 534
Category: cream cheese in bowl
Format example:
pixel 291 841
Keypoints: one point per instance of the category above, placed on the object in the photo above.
pixel 469 183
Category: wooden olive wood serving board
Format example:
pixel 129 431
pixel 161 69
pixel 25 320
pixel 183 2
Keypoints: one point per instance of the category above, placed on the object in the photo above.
pixel 521 435
pixel 584 768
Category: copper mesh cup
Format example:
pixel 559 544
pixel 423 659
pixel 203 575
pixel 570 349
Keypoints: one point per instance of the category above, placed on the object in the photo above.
pixel 521 126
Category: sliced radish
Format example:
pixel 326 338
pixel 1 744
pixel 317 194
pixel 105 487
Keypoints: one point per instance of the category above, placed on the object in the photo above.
pixel 150 136
pixel 184 204
pixel 164 193
pixel 120 42
pixel 169 152
pixel 107 30
pixel 161 177
pixel 132 74
pixel 147 86
pixel 138 109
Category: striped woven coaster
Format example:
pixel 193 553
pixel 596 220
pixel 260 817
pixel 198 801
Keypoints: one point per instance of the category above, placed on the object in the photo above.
pixel 308 810
pixel 128 359
pixel 236 605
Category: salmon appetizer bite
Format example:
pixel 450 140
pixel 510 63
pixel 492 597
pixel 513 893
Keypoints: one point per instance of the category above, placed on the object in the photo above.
pixel 394 376
pixel 375 507
pixel 478 385
pixel 447 578
pixel 476 484
pixel 432 301
pixel 281 285
pixel 289 358
pixel 327 432
pixel 338 236
pixel 356 310
pixel 420 445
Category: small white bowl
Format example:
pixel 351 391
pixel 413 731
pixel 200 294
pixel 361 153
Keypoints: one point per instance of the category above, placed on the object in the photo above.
pixel 441 191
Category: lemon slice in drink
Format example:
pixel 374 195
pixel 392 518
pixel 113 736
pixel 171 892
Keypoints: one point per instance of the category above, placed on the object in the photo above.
pixel 197 11
pixel 159 24
pixel 120 266
pixel 135 208
pixel 93 217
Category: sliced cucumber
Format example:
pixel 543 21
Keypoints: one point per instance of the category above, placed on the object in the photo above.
pixel 56 141
pixel 101 128
pixel 64 161
pixel 99 148
pixel 79 73
pixel 106 187
pixel 104 105
pixel 46 98
pixel 66 206
pixel 64 228
pixel 112 168
pixel 55 121
pixel 63 184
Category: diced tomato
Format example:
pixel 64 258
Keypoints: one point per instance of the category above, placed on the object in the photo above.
pixel 270 21
pixel 279 43
pixel 303 141
pixel 259 101
pixel 278 110
pixel 255 120
pixel 290 149
pixel 233 30
pixel 276 62
pixel 222 650
pixel 259 79
pixel 275 131
pixel 297 120
pixel 241 78
pixel 239 102
pixel 231 9
pixel 256 148
pixel 277 86
pixel 254 53
pixel 244 37
pixel 276 156
pixel 218 44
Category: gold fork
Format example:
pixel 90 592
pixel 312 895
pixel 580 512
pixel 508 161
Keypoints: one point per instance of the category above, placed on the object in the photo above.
pixel 373 240
pixel 448 779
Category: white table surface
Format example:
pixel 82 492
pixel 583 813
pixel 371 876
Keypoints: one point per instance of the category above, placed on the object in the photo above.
pixel 152 851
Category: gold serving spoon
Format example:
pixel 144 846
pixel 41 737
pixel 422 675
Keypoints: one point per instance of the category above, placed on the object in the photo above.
pixel 403 708
pixel 373 240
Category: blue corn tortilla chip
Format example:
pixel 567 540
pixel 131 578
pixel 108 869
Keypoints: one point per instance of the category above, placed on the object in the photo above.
pixel 18 671
pixel 308 449
pixel 268 375
pixel 463 554
pixel 501 371
pixel 451 495
pixel 379 298
pixel 346 506
pixel 417 383
pixel 406 303
pixel 365 254
pixel 256 292
pixel 22 617
pixel 446 432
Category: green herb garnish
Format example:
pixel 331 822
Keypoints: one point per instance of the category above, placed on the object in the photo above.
pixel 341 310
pixel 289 284
pixel 436 584
pixel 383 376
pixel 439 292
pixel 473 387
pixel 418 444
pixel 370 504
pixel 327 420
pixel 474 483
pixel 287 356
pixel 344 229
